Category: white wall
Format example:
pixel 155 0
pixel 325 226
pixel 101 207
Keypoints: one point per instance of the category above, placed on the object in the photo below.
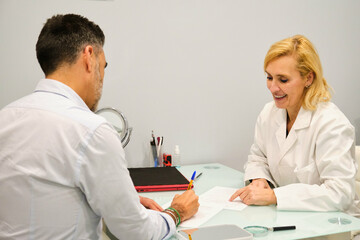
pixel 191 70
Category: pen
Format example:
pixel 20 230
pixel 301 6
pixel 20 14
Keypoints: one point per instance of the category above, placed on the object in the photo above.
pixel 158 149
pixel 153 146
pixel 199 175
pixel 282 228
pixel 191 182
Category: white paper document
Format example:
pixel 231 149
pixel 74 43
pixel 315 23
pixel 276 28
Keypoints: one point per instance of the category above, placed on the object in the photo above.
pixel 220 196
pixel 204 213
pixel 212 202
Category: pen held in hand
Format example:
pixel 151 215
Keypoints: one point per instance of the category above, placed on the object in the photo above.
pixel 191 182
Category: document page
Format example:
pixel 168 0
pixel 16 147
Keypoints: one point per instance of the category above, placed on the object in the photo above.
pixel 212 202
pixel 220 196
pixel 204 214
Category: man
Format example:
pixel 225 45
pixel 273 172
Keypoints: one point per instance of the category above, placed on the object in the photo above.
pixel 62 167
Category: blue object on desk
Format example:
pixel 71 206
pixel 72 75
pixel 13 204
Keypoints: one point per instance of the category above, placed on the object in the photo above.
pixel 192 180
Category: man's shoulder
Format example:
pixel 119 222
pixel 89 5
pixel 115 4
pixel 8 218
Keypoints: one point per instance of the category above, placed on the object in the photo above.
pixel 58 109
pixel 84 117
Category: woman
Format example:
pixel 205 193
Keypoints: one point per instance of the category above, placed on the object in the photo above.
pixel 303 156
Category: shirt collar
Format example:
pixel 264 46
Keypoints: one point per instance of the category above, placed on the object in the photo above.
pixel 303 119
pixel 56 87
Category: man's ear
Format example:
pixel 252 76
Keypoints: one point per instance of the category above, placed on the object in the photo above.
pixel 88 53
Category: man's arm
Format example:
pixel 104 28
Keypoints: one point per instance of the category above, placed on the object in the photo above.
pixel 110 192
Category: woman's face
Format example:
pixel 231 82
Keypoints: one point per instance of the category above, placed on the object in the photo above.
pixel 286 84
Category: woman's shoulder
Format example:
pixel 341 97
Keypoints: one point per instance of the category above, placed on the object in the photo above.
pixel 328 108
pixel 329 112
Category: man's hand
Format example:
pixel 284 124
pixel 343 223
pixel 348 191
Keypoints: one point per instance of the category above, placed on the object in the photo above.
pixel 187 204
pixel 150 204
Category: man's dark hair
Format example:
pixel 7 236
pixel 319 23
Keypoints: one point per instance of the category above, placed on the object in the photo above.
pixel 63 37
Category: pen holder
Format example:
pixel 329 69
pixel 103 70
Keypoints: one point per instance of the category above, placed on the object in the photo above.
pixel 155 160
pixel 151 157
pixel 160 159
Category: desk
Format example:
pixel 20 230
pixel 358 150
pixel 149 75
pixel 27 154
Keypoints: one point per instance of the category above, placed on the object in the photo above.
pixel 308 224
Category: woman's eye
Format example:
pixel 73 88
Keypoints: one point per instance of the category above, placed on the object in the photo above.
pixel 283 80
pixel 269 78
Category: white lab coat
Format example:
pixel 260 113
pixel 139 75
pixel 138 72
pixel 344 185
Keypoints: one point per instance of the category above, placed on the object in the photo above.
pixel 314 167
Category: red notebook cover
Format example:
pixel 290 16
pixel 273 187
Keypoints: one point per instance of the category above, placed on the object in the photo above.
pixel 155 179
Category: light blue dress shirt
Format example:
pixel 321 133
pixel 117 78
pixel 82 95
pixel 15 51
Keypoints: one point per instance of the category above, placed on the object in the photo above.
pixel 62 168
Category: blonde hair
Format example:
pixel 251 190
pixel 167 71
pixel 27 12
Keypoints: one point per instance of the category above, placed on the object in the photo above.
pixel 307 61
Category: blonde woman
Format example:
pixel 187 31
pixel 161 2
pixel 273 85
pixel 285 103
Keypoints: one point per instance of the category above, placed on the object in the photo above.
pixel 303 155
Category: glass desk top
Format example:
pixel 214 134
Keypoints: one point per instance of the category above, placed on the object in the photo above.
pixel 308 224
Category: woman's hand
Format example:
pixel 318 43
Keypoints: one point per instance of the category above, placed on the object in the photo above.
pixel 260 182
pixel 150 204
pixel 258 192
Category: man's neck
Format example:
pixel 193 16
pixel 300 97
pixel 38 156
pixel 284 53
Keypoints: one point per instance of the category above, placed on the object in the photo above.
pixel 70 76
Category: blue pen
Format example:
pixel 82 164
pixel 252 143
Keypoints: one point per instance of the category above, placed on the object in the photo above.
pixel 155 162
pixel 153 147
pixel 191 182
